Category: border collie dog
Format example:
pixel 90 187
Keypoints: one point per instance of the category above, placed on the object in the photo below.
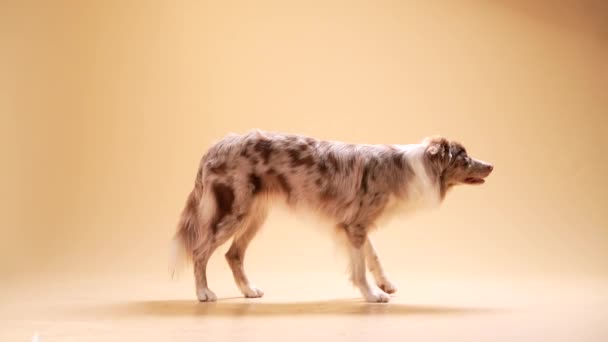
pixel 352 186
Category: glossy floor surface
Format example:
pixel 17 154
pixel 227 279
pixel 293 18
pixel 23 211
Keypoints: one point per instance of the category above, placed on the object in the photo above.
pixel 428 309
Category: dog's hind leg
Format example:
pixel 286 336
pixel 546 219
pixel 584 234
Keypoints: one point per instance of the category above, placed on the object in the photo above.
pixel 222 220
pixel 236 254
pixel 375 267
pixel 201 257
pixel 357 238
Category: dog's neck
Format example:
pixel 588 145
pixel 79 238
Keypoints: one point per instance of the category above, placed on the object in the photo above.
pixel 423 188
pixel 419 191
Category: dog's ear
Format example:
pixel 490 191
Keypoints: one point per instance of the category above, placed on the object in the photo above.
pixel 437 148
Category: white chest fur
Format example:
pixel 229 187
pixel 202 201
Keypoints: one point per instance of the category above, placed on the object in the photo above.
pixel 422 192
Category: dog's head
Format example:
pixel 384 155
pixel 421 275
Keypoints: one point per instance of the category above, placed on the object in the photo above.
pixel 450 163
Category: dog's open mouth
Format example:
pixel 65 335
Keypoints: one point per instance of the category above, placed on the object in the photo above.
pixel 474 180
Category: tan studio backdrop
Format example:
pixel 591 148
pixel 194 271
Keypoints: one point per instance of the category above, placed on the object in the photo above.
pixel 107 106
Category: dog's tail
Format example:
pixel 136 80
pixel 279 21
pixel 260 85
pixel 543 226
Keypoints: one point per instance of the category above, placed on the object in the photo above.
pixel 186 238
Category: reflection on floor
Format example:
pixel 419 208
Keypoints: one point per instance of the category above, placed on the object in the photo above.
pixel 130 309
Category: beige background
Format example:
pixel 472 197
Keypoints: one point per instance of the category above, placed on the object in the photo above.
pixel 107 107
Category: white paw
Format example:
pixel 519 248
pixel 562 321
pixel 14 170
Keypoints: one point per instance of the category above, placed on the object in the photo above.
pixel 252 292
pixel 387 286
pixel 206 295
pixel 377 296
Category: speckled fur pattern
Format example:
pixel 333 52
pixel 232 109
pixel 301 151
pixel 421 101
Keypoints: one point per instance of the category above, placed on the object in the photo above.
pixel 353 186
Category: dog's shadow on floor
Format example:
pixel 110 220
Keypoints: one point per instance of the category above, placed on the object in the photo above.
pixel 239 307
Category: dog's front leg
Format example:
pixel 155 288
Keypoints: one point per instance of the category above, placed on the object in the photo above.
pixel 357 238
pixel 375 267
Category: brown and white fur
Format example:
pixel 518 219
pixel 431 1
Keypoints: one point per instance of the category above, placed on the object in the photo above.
pixel 351 185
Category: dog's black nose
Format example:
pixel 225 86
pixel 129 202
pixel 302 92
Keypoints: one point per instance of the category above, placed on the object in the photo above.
pixel 490 167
